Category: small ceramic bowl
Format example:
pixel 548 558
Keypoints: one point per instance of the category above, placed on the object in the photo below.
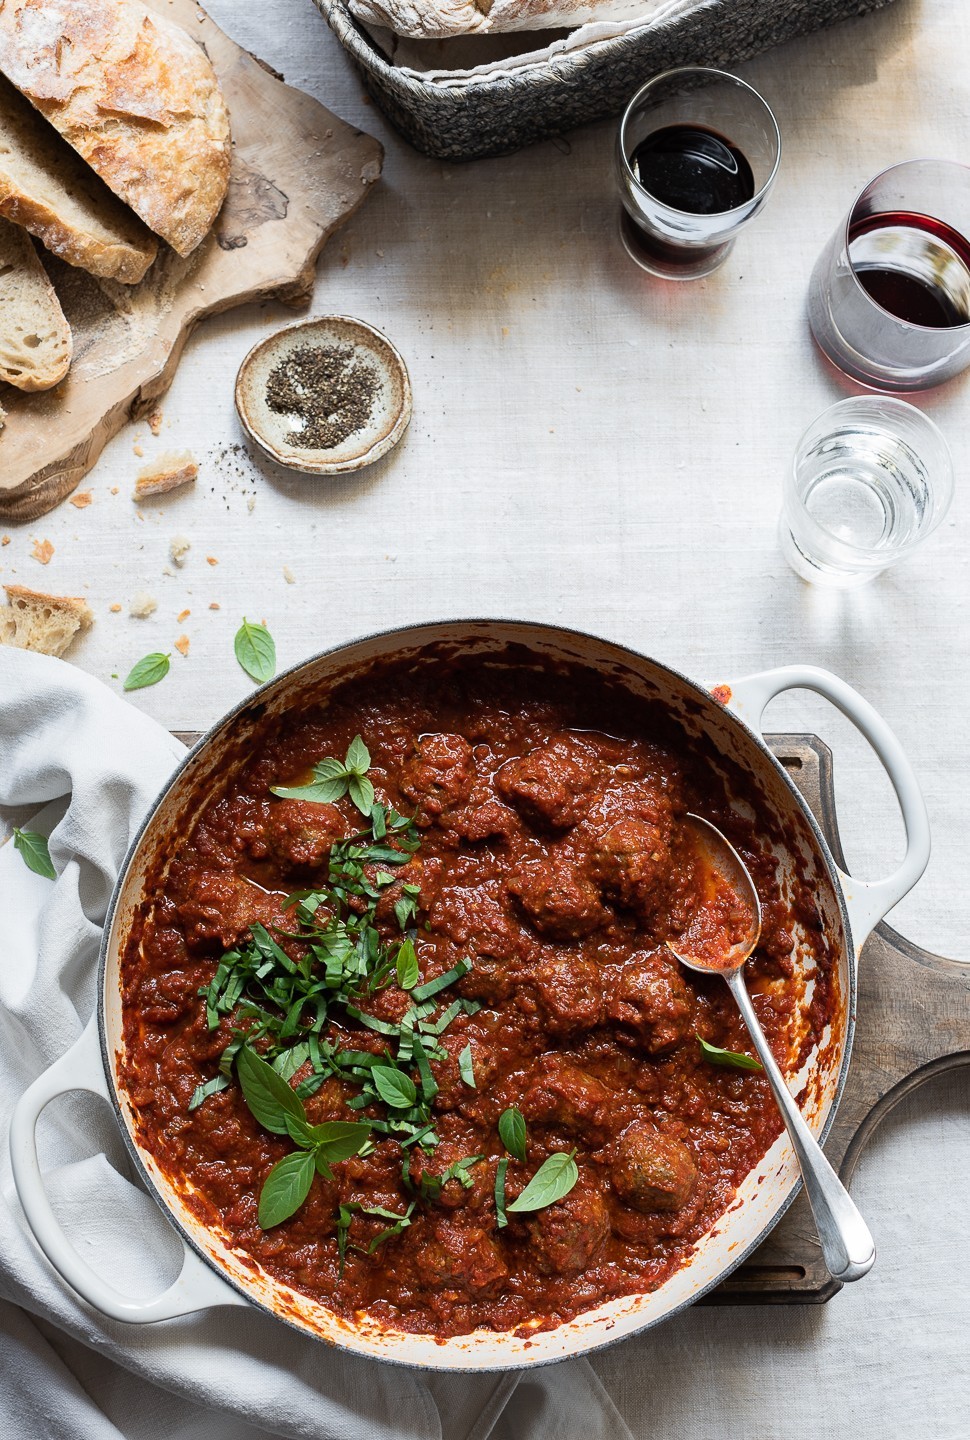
pixel 274 433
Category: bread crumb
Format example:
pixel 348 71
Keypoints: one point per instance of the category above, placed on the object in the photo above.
pixel 179 547
pixel 182 644
pixel 138 450
pixel 155 420
pixel 42 550
pixel 288 575
pixel 183 615
pixel 115 608
pixel 214 605
pixel 114 489
pixel 211 560
pixel 168 472
pixel 251 504
pixel 5 540
pixel 142 605
pixel 82 499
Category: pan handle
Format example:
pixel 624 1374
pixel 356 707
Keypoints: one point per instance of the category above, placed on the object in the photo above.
pixel 198 1286
pixel 867 901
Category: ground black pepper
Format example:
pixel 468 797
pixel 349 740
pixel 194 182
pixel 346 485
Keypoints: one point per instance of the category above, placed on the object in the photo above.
pixel 329 387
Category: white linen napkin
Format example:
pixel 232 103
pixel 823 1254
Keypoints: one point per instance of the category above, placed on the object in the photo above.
pixel 83 766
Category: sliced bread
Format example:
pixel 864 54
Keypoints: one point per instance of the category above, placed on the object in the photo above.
pixel 45 623
pixel 50 191
pixel 135 96
pixel 35 339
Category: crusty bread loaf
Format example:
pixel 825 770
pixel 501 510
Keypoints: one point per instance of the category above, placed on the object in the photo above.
pixel 45 623
pixel 137 99
pixel 35 339
pixel 50 191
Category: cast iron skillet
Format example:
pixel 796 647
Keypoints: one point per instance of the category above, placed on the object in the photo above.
pixel 212 1274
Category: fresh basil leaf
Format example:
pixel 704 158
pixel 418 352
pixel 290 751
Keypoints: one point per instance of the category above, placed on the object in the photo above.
pixel 361 791
pixel 340 1139
pixel 256 651
pixel 321 792
pixel 407 966
pixel 511 1129
pixel 466 1067
pixel 394 1087
pixel 357 759
pixel 148 671
pixel 555 1178
pixel 501 1219
pixel 32 847
pixel 299 1131
pixel 729 1059
pixel 285 1188
pixel 211 1087
pixel 267 1094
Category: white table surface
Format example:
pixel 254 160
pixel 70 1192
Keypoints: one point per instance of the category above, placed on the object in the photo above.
pixel 594 449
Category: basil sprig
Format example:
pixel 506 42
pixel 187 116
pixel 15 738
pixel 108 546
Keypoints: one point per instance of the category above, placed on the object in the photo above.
pixel 148 671
pixel 332 780
pixel 33 849
pixel 511 1129
pixel 553 1180
pixel 279 1109
pixel 255 650
pixel 729 1059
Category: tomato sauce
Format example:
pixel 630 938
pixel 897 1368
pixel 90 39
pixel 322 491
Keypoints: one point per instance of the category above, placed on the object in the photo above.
pixel 553 858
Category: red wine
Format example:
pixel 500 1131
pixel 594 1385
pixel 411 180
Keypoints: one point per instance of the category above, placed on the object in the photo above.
pixel 915 267
pixel 693 169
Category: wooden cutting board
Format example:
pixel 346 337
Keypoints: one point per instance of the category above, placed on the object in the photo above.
pixel 297 174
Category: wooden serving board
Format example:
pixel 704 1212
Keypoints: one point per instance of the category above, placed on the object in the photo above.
pixel 297 174
pixel 913 1023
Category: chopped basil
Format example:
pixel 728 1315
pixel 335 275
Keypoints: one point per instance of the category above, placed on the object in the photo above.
pixel 466 1067
pixel 730 1059
pixel 33 849
pixel 424 992
pixel 256 651
pixel 555 1178
pixel 211 1087
pixel 500 1216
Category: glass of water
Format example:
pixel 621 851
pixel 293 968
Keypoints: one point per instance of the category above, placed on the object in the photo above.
pixel 871 479
pixel 889 299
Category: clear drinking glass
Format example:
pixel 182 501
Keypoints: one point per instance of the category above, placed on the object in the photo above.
pixel 889 299
pixel 872 478
pixel 704 196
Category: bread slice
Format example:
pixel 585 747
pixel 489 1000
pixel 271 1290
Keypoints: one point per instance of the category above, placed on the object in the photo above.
pixel 45 623
pixel 35 339
pixel 50 191
pixel 135 96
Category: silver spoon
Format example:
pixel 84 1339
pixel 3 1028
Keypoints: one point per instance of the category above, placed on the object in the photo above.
pixel 847 1245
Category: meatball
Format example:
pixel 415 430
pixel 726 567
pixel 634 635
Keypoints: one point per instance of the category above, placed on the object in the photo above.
pixel 440 773
pixel 299 833
pixel 452 1089
pixel 548 786
pixel 558 898
pixel 569 1098
pixel 466 1261
pixel 566 1237
pixel 475 921
pixel 652 1171
pixel 453 1194
pixel 652 1002
pixel 569 990
pixel 218 905
pixel 631 860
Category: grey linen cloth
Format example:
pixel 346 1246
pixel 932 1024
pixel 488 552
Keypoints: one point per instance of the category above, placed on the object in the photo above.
pixel 83 766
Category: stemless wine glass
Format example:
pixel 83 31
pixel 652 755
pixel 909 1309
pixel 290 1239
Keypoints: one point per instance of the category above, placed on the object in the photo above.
pixel 889 299
pixel 688 228
pixel 872 478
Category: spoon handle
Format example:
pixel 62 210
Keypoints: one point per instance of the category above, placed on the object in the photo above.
pixel 847 1246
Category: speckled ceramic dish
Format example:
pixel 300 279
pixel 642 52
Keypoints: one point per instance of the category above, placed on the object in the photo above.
pixel 360 351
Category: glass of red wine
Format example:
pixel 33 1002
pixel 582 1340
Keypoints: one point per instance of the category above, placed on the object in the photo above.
pixel 696 156
pixel 889 299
